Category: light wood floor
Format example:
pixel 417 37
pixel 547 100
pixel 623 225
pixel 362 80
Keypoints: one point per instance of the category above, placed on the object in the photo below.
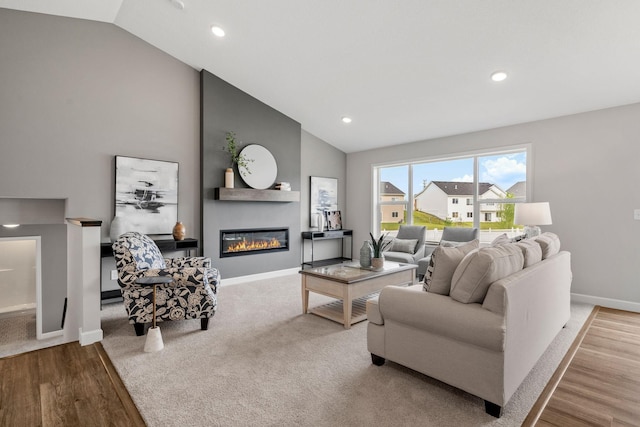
pixel 65 385
pixel 598 382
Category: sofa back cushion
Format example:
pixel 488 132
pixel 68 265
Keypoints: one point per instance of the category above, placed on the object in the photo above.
pixel 531 250
pixel 444 261
pixel 480 268
pixel 550 244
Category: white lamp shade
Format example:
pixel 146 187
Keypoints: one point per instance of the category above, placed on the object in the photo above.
pixel 532 214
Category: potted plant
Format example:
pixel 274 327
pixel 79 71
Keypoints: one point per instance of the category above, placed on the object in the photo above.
pixel 237 158
pixel 378 246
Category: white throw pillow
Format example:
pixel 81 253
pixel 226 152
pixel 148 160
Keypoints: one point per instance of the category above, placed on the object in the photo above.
pixel 501 240
pixel 444 261
pixel 480 268
pixel 404 245
pixel 550 244
pixel 531 251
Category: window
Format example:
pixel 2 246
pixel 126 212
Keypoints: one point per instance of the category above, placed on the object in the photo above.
pixel 428 192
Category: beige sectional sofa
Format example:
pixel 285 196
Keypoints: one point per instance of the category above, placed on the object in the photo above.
pixel 487 344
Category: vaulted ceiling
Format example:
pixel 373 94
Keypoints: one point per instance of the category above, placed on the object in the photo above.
pixel 403 71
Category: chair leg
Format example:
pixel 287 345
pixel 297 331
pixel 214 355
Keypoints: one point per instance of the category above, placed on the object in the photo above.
pixel 204 323
pixel 492 409
pixel 139 327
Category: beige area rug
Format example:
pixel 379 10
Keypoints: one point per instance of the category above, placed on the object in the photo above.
pixel 264 363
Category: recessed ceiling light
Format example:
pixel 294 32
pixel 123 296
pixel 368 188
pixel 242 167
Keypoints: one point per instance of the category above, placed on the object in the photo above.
pixel 179 4
pixel 217 31
pixel 498 76
pixel 346 119
pixel 10 225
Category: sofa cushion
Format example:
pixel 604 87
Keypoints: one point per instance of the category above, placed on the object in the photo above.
pixel 480 268
pixel 444 261
pixel 404 245
pixel 501 240
pixel 531 251
pixel 550 244
pixel 441 315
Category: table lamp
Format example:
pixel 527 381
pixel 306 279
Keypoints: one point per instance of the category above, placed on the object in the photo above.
pixel 531 215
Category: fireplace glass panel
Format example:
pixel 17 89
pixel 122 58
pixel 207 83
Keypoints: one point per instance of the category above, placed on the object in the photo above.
pixel 252 241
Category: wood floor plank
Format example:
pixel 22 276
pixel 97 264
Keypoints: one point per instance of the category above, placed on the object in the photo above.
pixel 66 385
pixel 601 383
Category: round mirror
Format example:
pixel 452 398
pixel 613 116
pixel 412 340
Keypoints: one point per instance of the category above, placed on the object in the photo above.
pixel 261 169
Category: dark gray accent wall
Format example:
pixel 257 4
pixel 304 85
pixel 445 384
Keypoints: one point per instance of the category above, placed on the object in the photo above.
pixel 226 108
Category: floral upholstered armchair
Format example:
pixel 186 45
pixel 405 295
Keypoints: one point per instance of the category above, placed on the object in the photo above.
pixel 191 295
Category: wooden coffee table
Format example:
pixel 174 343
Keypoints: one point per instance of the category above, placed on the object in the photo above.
pixel 351 284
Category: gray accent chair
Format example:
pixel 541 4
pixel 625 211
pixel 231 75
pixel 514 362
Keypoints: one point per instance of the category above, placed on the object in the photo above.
pixel 415 232
pixel 449 234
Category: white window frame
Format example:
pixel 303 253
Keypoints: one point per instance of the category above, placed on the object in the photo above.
pixel 475 154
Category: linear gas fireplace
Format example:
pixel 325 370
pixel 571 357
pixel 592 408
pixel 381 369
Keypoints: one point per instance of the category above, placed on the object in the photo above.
pixel 252 241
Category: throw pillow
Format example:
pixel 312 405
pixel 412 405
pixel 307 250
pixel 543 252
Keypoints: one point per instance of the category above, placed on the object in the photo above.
pixel 404 245
pixel 479 269
pixel 444 261
pixel 550 244
pixel 531 251
pixel 501 240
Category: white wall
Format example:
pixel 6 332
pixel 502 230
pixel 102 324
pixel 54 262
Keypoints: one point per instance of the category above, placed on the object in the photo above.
pixel 585 165
pixel 17 274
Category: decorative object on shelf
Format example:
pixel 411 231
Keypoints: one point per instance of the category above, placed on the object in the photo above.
pixel 323 195
pixel 531 215
pixel 228 178
pixel 178 231
pixel 378 246
pixel 264 168
pixel 146 194
pixel 283 186
pixel 334 220
pixel 321 222
pixel 237 157
pixel 365 254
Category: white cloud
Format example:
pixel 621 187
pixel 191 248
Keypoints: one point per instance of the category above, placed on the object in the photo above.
pixel 503 171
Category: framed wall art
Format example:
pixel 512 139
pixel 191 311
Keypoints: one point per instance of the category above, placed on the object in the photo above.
pixel 146 195
pixel 323 197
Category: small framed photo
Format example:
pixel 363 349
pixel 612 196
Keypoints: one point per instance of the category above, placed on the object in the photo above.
pixel 334 220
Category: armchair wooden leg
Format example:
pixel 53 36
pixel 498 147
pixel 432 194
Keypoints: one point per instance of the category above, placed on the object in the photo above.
pixel 492 409
pixel 377 360
pixel 204 323
pixel 139 327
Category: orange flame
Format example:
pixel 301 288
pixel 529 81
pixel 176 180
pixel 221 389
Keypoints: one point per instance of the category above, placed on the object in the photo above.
pixel 254 245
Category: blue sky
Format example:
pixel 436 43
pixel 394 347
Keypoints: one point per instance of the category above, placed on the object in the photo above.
pixel 503 170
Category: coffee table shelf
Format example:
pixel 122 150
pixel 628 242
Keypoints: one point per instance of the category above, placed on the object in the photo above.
pixel 351 286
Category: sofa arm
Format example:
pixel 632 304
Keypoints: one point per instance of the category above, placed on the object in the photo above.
pixel 373 311
pixel 186 276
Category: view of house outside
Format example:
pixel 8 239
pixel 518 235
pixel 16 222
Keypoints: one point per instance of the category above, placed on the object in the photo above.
pixel 445 194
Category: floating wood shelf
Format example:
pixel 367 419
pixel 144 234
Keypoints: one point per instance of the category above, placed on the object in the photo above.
pixel 251 195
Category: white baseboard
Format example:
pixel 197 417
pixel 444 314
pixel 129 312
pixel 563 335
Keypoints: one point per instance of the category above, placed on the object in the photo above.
pixel 90 337
pixel 53 334
pixel 607 302
pixel 259 276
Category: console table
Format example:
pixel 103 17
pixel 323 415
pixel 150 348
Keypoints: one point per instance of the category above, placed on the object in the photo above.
pixel 315 236
pixel 165 245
